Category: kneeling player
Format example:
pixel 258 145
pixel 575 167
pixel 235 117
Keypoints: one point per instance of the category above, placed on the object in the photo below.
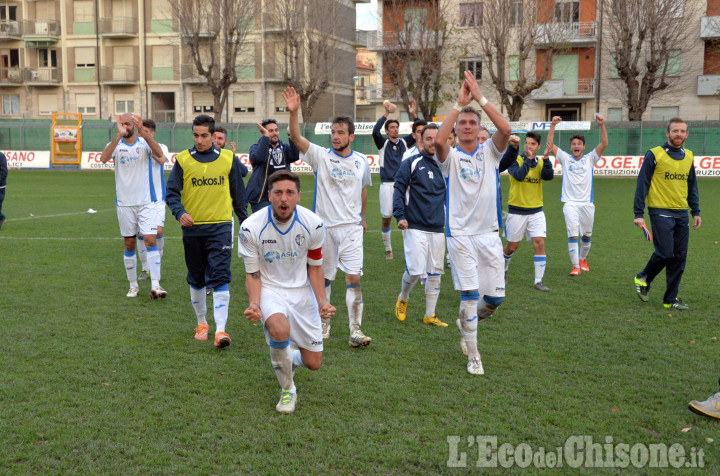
pixel 282 249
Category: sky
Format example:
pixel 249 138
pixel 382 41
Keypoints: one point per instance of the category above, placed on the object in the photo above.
pixel 367 15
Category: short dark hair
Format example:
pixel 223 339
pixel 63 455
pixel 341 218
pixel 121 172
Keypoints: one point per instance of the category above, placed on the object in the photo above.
pixel 418 123
pixel 674 120
pixel 534 136
pixel 204 120
pixel 149 124
pixel 283 174
pixel 344 120
pixel 431 126
pixel 483 128
pixel 452 131
pixel 472 110
pixel 265 122
pixel 221 130
pixel 578 136
pixel 390 121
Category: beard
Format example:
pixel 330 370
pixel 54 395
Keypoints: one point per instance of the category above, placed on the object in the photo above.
pixel 341 147
pixel 129 133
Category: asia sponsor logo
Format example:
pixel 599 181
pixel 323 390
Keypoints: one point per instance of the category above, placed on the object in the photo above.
pixel 469 174
pixel 342 174
pixel 676 176
pixel 207 181
pixel 576 169
pixel 274 256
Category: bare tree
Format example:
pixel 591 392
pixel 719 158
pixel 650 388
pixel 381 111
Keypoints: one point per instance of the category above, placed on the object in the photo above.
pixel 508 42
pixel 215 34
pixel 417 37
pixel 307 52
pixel 644 39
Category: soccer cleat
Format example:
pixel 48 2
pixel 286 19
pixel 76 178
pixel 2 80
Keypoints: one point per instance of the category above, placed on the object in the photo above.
pixel 463 344
pixel 158 293
pixel 474 366
pixel 201 331
pixel 222 340
pixel 144 275
pixel 401 309
pixel 358 339
pixel 388 254
pixel 133 291
pixel 434 321
pixel 208 291
pixel 584 266
pixel 678 304
pixel 326 328
pixel 287 402
pixel 642 289
pixel 575 271
pixel 710 407
pixel 541 287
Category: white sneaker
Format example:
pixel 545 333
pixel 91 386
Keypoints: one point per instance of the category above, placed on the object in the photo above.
pixel 358 339
pixel 287 402
pixel 158 293
pixel 474 366
pixel 463 344
pixel 325 328
pixel 144 275
pixel 133 292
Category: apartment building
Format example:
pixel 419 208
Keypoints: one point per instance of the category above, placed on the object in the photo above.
pixel 583 79
pixel 106 57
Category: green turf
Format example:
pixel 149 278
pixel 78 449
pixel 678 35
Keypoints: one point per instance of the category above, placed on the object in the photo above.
pixel 94 382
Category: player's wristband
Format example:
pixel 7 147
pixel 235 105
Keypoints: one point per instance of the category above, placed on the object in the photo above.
pixel 483 100
pixel 324 300
pixel 457 107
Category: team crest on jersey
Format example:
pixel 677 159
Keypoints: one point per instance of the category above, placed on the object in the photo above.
pixel 357 164
pixel 243 238
pixel 300 239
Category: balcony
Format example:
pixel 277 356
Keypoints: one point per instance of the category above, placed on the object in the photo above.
pixel 9 30
pixel 402 40
pixel 12 76
pixel 118 27
pixel 708 85
pixel 205 28
pixel 45 76
pixel 378 93
pixel 271 23
pixel 565 89
pixel 164 116
pixel 710 28
pixel 575 33
pixel 119 74
pixel 40 33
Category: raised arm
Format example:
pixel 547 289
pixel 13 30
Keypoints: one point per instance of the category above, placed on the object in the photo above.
pixel 603 135
pixel 501 136
pixel 157 153
pixel 510 154
pixel 550 141
pixel 107 152
pixel 442 148
pixel 293 103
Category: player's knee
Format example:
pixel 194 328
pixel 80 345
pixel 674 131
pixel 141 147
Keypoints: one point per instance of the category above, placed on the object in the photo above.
pixel 493 301
pixel 313 361
pixel 352 280
pixel 278 327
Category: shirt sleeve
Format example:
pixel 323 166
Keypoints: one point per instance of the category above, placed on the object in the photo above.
pixel 561 157
pixel 693 194
pixel 594 156
pixel 237 190
pixel 367 179
pixel 492 152
pixel 259 151
pixel 402 178
pixel 446 166
pixel 643 183
pixel 173 189
pixel 377 134
pixel 508 157
pixel 248 249
pixel 317 238
pixel 313 155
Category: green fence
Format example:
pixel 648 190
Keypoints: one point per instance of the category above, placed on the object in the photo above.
pixel 626 138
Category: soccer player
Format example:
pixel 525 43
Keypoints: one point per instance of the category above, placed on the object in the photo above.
pixel 268 155
pixel 390 153
pixel 282 248
pixel 667 180
pixel 157 195
pixel 131 151
pixel 342 177
pixel 525 202
pixel 204 188
pixel 709 408
pixel 3 184
pixel 577 191
pixel 220 141
pixel 417 130
pixel 419 208
pixel 483 135
pixel 473 212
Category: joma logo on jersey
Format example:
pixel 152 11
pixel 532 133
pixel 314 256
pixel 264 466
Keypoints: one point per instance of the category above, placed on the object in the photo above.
pixel 272 256
pixel 342 174
pixel 205 181
pixel 268 241
pixel 676 176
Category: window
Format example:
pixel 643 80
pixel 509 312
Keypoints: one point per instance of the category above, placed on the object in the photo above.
pixel 244 101
pixel 124 103
pixel 567 12
pixel 471 14
pixel 664 113
pixel 10 104
pixel 415 19
pixel 516 13
pixel 47 58
pixel 514 68
pixel 615 114
pixel 280 105
pixel 161 10
pixel 674 63
pixel 86 103
pixel 83 11
pixel 47 104
pixel 613 72
pixel 672 8
pixel 472 65
pixel 203 102
pixel 85 57
pixel 8 12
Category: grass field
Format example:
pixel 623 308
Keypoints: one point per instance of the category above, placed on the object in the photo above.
pixel 94 382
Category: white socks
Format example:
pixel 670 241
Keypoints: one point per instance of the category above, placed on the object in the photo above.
pixel 408 283
pixel 142 252
pixel 573 251
pixel 354 302
pixel 432 292
pixel 282 363
pixel 468 325
pixel 540 261
pixel 197 297
pixel 130 262
pixel 153 262
pixel 221 300
pixel 585 247
pixel 387 240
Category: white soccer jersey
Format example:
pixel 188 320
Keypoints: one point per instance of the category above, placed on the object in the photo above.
pixel 280 250
pixel 132 177
pixel 338 185
pixel 411 152
pixel 157 177
pixel 472 204
pixel 577 176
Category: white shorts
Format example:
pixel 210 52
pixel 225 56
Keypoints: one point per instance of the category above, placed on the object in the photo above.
pixel 532 226
pixel 160 210
pixel 424 252
pixel 139 219
pixel 343 249
pixel 478 263
pixel 386 199
pixel 579 217
pixel 301 310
